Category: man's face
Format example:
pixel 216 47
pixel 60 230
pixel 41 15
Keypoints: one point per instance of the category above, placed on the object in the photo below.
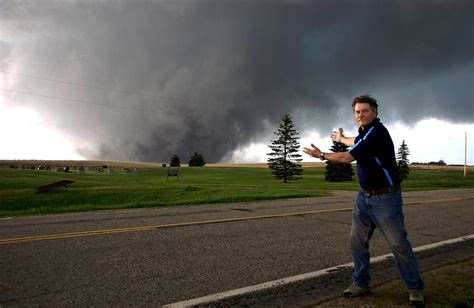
pixel 364 114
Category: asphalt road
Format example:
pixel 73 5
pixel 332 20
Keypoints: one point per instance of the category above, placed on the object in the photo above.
pixel 161 256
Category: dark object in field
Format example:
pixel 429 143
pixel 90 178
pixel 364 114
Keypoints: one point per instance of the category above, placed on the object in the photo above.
pixel 46 188
pixel 173 172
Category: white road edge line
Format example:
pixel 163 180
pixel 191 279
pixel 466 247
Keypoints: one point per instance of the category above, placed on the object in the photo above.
pixel 288 280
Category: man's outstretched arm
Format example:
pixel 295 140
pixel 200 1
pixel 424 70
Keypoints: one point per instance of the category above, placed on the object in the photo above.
pixel 338 136
pixel 339 157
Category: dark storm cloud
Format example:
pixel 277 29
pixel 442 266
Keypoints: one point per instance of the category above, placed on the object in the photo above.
pixel 154 78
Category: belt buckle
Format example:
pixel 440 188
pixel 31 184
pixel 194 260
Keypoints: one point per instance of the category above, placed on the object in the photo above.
pixel 369 193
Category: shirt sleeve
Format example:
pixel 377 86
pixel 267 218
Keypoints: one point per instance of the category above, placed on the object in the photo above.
pixel 364 146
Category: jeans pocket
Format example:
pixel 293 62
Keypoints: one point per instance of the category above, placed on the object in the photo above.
pixel 389 197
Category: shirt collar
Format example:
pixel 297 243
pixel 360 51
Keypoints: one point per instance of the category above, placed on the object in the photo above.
pixel 373 123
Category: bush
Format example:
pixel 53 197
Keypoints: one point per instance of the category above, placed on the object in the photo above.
pixel 197 160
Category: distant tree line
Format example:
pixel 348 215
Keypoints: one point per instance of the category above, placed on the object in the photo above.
pixel 434 163
pixel 196 160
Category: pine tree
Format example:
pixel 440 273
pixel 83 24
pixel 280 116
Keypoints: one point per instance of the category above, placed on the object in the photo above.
pixel 402 161
pixel 175 161
pixel 284 160
pixel 336 172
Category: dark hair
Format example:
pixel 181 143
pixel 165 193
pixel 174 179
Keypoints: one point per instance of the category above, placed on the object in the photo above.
pixel 366 99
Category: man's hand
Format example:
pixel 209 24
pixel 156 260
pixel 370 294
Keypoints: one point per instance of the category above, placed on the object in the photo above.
pixel 315 151
pixel 337 135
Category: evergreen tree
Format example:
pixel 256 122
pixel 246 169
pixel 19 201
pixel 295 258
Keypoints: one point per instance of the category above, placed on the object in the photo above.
pixel 336 172
pixel 197 160
pixel 402 160
pixel 175 161
pixel 284 159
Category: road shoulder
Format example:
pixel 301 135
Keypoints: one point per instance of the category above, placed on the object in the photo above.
pixel 325 288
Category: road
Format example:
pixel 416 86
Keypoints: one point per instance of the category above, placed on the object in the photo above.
pixel 161 256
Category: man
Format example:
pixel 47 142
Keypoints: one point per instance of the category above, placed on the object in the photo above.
pixel 379 202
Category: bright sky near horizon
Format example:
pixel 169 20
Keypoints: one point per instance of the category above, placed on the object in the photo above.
pixel 429 140
pixel 26 135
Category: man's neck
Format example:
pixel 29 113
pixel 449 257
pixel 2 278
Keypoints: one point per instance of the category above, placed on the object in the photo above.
pixel 364 127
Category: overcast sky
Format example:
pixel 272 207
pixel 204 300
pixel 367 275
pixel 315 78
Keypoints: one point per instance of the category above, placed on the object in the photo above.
pixel 143 80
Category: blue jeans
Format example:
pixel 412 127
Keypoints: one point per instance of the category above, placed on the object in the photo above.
pixel 385 212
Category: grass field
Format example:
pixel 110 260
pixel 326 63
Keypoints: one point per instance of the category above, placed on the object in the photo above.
pixel 148 186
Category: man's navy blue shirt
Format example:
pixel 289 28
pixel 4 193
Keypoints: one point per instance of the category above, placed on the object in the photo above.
pixel 376 165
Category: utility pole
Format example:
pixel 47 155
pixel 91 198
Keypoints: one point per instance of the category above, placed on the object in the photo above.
pixel 465 154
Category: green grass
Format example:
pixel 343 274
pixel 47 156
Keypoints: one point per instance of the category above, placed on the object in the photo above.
pixel 449 286
pixel 150 188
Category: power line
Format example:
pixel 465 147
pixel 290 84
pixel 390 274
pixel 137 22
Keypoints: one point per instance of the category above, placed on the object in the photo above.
pixel 72 100
pixel 130 92
pixel 58 81
pixel 83 102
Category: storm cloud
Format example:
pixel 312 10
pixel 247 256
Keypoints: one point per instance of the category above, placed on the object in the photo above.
pixel 143 80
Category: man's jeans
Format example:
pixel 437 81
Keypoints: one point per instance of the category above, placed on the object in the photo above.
pixel 385 212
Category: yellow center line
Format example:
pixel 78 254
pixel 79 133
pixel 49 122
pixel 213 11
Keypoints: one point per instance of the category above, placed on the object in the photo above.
pixel 157 227
pixel 193 223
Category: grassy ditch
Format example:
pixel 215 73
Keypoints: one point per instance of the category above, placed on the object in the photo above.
pixel 149 187
pixel 449 286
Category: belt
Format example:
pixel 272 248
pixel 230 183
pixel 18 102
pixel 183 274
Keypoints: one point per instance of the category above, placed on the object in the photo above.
pixel 380 191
